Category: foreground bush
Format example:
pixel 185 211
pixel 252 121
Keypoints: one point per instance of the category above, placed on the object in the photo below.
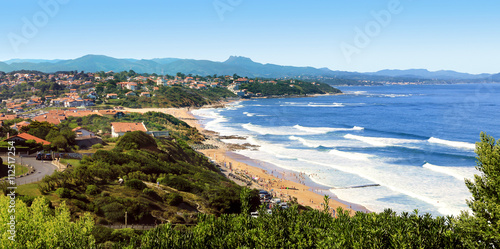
pixel 39 226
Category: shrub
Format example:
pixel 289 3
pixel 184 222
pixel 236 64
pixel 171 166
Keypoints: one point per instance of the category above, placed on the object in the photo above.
pixel 80 204
pixel 151 193
pixel 101 233
pixel 105 193
pixel 63 193
pixel 114 211
pixel 97 146
pixel 174 199
pixel 92 190
pixel 135 184
pixel 122 235
pixel 26 199
pixel 136 140
pixel 177 182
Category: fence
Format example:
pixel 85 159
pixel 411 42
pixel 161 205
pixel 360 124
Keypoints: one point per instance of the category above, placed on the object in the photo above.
pixel 141 226
pixel 137 227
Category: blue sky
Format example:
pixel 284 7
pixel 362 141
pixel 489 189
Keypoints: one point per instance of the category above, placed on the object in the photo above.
pixel 453 35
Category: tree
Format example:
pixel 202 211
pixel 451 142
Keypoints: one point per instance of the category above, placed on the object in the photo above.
pixel 60 142
pixel 38 129
pixel 485 189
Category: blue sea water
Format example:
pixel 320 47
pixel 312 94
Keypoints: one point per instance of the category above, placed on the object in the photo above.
pixel 415 141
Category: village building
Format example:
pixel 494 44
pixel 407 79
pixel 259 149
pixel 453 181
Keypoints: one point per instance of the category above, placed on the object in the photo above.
pixel 112 96
pixel 23 137
pixel 119 128
pixel 18 126
pixel 128 94
pixel 82 132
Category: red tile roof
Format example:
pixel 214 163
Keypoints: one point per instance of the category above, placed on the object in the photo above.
pixel 7 117
pixel 27 136
pixel 126 127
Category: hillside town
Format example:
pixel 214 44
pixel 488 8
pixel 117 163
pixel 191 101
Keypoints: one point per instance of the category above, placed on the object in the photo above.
pixel 30 90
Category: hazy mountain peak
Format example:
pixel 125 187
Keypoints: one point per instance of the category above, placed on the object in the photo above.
pixel 238 60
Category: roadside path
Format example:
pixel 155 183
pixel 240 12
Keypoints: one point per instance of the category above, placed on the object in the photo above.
pixel 41 169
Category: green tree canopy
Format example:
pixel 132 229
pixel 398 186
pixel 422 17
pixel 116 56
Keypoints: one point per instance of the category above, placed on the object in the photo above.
pixel 485 189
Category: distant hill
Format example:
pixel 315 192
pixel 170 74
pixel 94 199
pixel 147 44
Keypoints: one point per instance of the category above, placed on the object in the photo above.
pixel 30 61
pixel 235 64
pixel 426 74
pixel 239 65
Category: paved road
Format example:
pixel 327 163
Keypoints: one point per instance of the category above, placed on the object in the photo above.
pixel 41 169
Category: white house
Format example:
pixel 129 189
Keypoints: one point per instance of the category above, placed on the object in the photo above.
pixel 119 128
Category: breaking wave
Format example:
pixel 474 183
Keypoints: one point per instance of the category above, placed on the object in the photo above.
pixel 454 144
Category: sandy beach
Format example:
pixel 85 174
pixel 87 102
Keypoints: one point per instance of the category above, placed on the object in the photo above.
pixel 287 185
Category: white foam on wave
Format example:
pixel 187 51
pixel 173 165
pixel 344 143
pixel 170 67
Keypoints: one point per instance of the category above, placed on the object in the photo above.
pixel 389 95
pixel 286 157
pixel 400 182
pixel 279 130
pixel 357 92
pixel 249 114
pixel 383 141
pixel 294 130
pixel 304 142
pixel 351 155
pixel 321 130
pixel 454 144
pixel 234 105
pixel 394 95
pixel 311 104
pixel 460 173
pixel 211 119
pixel 327 143
pixel 403 188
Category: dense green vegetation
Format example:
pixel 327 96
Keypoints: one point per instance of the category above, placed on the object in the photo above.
pixel 62 138
pixel 93 186
pixel 154 121
pixel 175 96
pixel 287 88
pixel 38 226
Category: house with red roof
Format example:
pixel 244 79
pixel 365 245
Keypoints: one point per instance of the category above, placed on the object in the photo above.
pixel 23 137
pixel 119 128
pixel 112 96
pixel 131 93
pixel 18 126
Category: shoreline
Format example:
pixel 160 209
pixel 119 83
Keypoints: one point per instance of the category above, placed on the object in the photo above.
pixel 268 176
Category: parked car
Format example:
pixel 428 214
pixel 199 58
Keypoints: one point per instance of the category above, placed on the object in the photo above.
pixel 275 200
pixel 254 214
pixel 264 194
pixel 48 156
pixel 283 205
pixel 39 156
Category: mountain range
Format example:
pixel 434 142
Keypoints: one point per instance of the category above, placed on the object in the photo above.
pixel 235 64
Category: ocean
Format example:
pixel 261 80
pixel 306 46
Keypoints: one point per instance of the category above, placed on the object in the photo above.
pixel 403 147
